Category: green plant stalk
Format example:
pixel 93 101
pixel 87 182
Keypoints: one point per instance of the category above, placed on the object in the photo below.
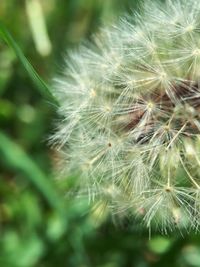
pixel 19 161
pixel 38 81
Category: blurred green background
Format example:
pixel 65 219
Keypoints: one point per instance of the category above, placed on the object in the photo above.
pixel 38 225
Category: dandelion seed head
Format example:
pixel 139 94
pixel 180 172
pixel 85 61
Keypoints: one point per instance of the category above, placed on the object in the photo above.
pixel 130 116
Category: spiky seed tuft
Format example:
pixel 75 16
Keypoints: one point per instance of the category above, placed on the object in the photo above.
pixel 130 108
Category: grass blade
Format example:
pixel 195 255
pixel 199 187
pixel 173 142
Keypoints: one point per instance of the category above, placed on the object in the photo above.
pixel 41 85
pixel 16 158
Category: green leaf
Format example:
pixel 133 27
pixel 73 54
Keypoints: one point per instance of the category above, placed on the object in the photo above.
pixel 160 245
pixel 17 159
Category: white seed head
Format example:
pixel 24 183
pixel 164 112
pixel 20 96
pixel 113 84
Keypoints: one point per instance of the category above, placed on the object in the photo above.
pixel 130 109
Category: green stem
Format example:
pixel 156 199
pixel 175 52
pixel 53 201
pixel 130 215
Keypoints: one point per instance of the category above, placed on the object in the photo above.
pixel 40 84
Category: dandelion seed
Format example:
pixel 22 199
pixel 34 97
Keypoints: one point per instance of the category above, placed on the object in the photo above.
pixel 130 108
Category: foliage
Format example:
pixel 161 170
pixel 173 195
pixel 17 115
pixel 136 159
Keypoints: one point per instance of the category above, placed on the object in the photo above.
pixel 39 227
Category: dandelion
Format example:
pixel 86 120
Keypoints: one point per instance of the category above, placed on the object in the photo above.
pixel 130 116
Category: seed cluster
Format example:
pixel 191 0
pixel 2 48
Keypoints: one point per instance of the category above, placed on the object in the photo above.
pixel 130 127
